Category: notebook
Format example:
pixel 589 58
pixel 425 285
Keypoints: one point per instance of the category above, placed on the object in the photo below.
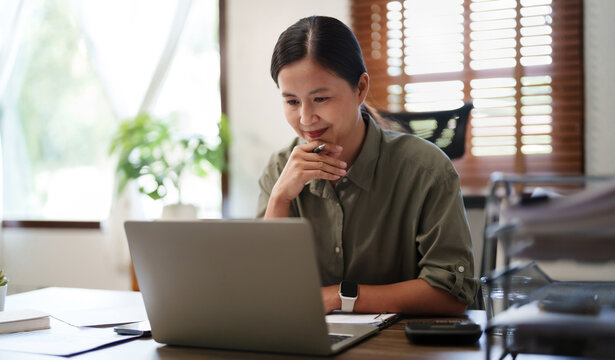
pixel 235 284
pixel 23 320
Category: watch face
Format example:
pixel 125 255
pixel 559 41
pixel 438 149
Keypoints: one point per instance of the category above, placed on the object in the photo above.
pixel 349 289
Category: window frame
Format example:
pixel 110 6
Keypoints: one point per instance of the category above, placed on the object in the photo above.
pixel 50 224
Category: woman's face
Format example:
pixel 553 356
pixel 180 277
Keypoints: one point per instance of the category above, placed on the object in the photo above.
pixel 319 105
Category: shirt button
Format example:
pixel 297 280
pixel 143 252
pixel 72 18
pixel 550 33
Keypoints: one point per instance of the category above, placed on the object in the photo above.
pixel 461 269
pixel 337 249
pixel 344 180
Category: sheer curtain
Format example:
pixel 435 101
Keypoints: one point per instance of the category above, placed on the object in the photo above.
pixel 11 24
pixel 10 30
pixel 131 45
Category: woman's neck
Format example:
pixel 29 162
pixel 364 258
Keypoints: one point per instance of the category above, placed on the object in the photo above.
pixel 354 142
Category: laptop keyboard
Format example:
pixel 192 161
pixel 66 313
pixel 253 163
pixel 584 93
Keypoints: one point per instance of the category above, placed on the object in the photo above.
pixel 335 338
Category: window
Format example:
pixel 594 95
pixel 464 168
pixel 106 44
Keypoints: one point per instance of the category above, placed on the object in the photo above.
pixel 73 81
pixel 54 113
pixel 519 61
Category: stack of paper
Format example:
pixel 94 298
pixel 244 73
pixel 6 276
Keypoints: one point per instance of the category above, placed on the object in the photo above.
pixel 360 319
pixel 65 333
pixel 61 339
pixel 579 227
pixel 544 332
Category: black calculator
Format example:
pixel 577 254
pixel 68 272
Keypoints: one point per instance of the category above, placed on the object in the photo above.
pixel 443 332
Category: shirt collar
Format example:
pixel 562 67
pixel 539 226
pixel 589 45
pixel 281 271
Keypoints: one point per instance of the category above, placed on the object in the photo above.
pixel 362 171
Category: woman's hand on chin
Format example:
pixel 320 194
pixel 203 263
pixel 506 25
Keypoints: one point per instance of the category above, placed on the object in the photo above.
pixel 305 165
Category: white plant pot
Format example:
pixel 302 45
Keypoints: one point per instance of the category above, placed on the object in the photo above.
pixel 179 212
pixel 2 296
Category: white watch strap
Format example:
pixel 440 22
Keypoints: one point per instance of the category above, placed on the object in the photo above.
pixel 347 303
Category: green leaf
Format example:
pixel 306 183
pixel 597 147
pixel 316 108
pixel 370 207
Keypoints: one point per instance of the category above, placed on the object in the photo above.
pixel 154 195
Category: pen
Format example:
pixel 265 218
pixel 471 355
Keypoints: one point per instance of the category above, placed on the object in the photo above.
pixel 318 149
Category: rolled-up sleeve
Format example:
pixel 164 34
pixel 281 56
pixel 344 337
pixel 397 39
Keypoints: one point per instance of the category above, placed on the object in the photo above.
pixel 265 184
pixel 444 242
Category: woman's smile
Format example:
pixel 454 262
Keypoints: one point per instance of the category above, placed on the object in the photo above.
pixel 315 134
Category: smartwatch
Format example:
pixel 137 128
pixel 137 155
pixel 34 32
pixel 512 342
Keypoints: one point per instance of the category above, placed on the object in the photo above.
pixel 349 292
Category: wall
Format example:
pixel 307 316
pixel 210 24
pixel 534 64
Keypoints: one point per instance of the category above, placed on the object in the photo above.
pixel 599 87
pixel 72 258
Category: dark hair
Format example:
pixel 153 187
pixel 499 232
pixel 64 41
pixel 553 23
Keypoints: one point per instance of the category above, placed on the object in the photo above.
pixel 326 40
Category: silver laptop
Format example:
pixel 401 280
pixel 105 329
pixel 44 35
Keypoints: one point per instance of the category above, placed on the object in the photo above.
pixel 235 284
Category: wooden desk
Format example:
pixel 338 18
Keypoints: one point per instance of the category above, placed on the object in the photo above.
pixel 390 343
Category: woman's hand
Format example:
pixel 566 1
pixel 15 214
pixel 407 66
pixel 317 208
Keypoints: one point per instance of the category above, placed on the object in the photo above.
pixel 303 166
pixel 330 298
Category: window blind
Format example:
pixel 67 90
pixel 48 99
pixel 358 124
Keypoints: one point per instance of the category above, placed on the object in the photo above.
pixel 520 61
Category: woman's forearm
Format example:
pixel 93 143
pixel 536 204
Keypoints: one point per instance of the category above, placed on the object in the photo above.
pixel 277 208
pixel 414 297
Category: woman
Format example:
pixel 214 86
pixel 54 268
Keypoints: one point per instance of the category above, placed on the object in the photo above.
pixel 385 207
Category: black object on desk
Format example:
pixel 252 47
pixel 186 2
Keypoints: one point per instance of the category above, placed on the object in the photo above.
pixel 443 332
pixel 142 328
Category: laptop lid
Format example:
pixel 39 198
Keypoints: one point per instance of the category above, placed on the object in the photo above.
pixel 234 284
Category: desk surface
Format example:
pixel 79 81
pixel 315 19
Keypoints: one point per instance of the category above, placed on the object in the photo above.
pixel 390 343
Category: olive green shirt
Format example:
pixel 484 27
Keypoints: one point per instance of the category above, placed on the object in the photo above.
pixel 397 215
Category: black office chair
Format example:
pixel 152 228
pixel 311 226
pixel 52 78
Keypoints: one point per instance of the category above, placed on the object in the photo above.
pixel 446 129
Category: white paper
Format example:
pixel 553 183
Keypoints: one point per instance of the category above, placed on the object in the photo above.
pixel 358 319
pixel 95 307
pixel 97 317
pixel 61 339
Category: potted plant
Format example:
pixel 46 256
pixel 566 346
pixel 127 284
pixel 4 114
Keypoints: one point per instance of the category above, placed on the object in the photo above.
pixel 157 157
pixel 3 286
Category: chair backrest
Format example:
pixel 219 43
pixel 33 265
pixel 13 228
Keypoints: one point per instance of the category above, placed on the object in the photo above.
pixel 446 129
